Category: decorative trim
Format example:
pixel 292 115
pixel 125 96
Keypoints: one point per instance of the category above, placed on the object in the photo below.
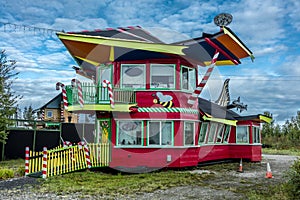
pixel 265 119
pixel 133 44
pixel 174 109
pixel 224 121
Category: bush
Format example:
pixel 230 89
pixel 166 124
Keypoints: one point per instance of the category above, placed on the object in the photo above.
pixel 6 173
pixel 292 186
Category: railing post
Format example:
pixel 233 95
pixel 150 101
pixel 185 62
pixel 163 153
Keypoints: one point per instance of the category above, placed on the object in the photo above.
pixel 26 161
pixel 44 170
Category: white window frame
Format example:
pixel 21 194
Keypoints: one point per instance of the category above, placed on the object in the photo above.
pixel 193 133
pixel 247 133
pixel 133 87
pixel 129 143
pixel 220 133
pixel 227 127
pixel 160 133
pixel 215 126
pixel 205 134
pixel 190 86
pixel 256 135
pixel 154 85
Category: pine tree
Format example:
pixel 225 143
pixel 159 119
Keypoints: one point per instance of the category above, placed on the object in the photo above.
pixel 28 113
pixel 8 99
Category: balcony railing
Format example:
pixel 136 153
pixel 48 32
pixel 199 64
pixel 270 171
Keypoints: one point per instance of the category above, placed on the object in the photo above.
pixel 96 94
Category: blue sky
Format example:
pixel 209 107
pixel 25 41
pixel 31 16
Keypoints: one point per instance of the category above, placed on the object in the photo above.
pixel 270 28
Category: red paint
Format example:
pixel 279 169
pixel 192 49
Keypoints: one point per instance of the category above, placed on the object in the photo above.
pixel 177 155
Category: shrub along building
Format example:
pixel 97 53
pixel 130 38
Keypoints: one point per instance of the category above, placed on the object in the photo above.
pixel 145 96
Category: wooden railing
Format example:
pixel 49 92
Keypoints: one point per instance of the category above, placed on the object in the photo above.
pixel 96 94
pixel 61 160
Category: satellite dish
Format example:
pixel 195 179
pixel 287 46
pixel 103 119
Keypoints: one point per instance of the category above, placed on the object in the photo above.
pixel 223 19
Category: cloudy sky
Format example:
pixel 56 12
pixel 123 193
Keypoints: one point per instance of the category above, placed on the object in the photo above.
pixel 270 28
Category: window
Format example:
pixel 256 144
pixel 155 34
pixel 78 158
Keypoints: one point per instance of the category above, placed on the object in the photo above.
pixel 226 134
pixel 212 131
pixel 133 76
pixel 49 113
pixel 162 76
pixel 203 131
pixel 160 133
pixel 189 133
pixel 256 134
pixel 220 133
pixel 129 133
pixel 242 134
pixel 188 78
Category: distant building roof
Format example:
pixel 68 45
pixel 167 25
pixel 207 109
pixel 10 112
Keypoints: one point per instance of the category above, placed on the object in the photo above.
pixel 213 110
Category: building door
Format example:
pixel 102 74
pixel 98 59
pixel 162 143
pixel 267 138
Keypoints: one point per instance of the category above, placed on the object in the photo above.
pixel 103 130
pixel 104 73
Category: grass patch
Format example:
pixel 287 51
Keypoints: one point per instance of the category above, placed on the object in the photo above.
pixel 12 168
pixel 293 152
pixel 113 185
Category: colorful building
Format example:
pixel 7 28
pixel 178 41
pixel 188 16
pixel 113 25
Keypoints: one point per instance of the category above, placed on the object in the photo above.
pixel 145 96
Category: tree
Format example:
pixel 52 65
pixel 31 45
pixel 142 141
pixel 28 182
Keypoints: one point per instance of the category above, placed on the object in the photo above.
pixel 28 113
pixel 8 99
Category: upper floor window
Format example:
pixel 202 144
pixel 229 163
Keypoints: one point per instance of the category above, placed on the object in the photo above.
pixel 256 134
pixel 188 78
pixel 162 76
pixel 133 76
pixel 242 134
pixel 49 114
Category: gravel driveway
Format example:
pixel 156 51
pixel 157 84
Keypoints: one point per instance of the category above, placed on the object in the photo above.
pixel 224 185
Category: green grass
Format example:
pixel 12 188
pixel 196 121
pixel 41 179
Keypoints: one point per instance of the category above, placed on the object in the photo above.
pixel 12 168
pixel 98 183
pixel 294 152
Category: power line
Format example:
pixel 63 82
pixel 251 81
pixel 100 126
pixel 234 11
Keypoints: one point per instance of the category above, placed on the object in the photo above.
pixel 10 27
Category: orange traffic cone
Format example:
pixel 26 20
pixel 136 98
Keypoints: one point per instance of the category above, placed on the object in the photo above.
pixel 241 166
pixel 269 172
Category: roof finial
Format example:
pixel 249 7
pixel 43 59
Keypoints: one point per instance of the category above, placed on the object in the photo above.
pixel 223 19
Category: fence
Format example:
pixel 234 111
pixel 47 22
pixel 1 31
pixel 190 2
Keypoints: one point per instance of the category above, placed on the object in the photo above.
pixel 61 160
pixel 95 94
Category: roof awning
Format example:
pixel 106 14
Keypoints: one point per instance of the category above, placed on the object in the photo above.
pixel 99 47
pixel 257 118
pixel 219 120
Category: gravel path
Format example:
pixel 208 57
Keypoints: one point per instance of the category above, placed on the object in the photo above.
pixel 220 187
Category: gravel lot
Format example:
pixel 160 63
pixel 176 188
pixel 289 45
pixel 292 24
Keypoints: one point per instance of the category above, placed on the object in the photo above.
pixel 222 186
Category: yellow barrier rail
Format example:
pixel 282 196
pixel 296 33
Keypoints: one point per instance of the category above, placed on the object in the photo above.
pixel 61 160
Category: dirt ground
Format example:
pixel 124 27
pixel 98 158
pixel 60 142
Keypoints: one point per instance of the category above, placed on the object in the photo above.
pixel 223 184
pixel 229 184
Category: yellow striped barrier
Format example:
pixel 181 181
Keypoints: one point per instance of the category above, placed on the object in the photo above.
pixel 61 160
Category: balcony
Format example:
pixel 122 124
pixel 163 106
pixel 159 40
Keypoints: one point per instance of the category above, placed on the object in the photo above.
pixel 96 97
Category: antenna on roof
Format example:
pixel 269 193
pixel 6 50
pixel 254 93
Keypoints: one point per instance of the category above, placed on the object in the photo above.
pixel 223 19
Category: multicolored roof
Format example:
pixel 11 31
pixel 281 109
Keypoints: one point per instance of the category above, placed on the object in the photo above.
pixel 92 48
